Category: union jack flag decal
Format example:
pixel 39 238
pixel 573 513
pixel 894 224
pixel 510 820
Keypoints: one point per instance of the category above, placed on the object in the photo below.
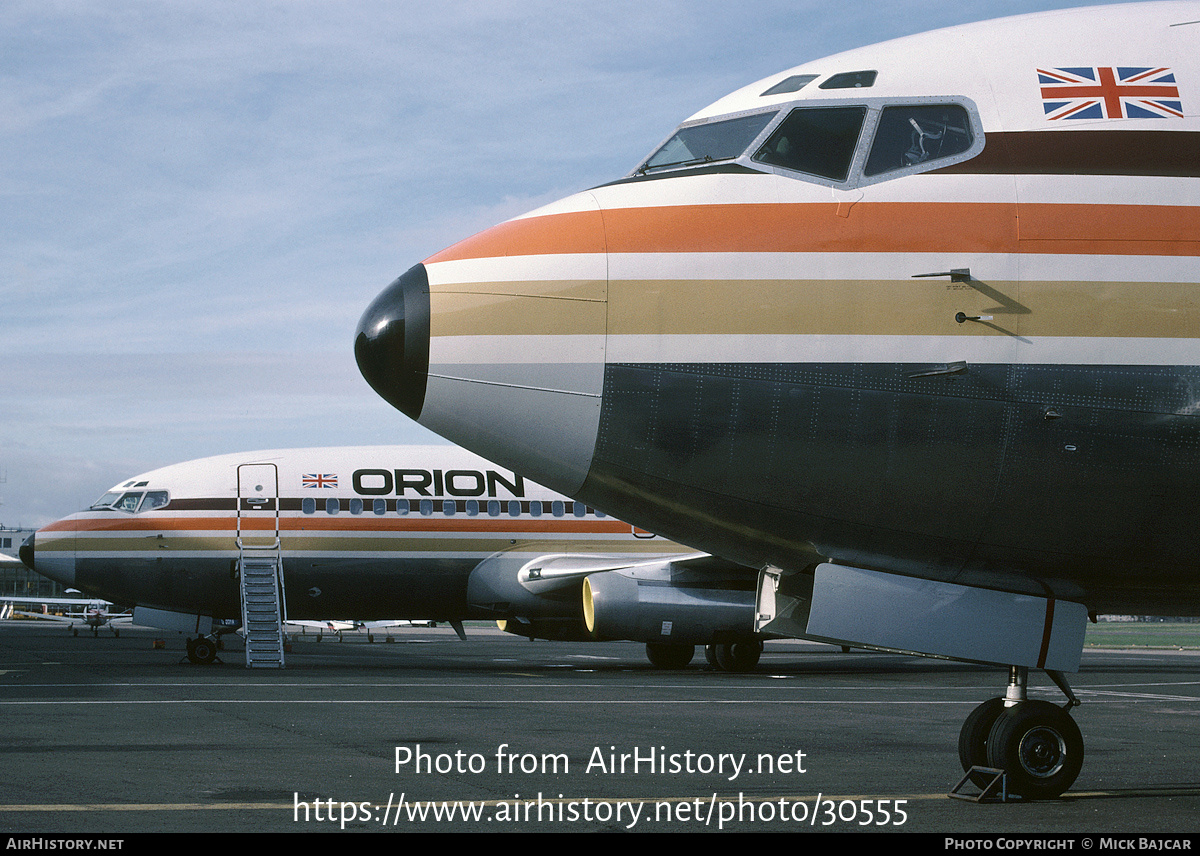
pixel 319 480
pixel 1110 93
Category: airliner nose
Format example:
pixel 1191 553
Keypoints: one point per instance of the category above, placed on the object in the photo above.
pixel 26 552
pixel 53 549
pixel 391 344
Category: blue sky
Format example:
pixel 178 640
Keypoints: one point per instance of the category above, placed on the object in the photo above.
pixel 199 199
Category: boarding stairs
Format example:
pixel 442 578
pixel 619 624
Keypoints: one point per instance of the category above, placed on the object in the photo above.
pixel 262 607
pixel 260 562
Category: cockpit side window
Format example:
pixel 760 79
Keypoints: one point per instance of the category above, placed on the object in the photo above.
pixel 154 499
pixel 818 141
pixel 705 143
pixel 909 136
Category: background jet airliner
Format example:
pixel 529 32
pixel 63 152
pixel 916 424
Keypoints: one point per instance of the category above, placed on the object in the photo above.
pixel 913 329
pixel 391 532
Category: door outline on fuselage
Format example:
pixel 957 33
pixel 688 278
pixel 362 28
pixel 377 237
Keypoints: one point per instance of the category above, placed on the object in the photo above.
pixel 257 500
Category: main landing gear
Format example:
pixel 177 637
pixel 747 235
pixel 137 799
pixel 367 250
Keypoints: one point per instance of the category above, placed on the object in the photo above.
pixel 734 656
pixel 740 656
pixel 1036 743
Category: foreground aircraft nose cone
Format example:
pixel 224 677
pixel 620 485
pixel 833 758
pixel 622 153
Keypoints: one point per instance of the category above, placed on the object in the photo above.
pixel 55 557
pixel 392 342
pixel 26 552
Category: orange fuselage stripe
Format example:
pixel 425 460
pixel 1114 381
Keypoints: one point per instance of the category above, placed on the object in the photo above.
pixel 345 523
pixel 913 227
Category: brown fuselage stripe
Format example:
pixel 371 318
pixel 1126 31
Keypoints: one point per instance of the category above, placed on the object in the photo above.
pixel 1174 154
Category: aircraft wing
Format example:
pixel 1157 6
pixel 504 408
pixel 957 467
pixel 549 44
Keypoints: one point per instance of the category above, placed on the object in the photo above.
pixel 83 603
pixel 121 617
pixel 44 617
pixel 557 571
pixel 333 626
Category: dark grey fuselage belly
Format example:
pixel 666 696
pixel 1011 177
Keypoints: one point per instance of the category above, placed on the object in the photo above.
pixel 316 588
pixel 1083 477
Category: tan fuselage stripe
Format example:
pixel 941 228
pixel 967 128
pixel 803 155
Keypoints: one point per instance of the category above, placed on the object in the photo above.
pixel 912 307
pixel 454 314
pixel 910 227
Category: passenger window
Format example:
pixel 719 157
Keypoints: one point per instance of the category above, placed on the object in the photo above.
pixel 535 508
pixel 557 508
pixel 472 507
pixel 308 505
pixel 332 506
pixel 402 507
pixel 426 507
pixel 448 507
pixel 493 508
pixel 379 506
pixel 356 506
pixel 579 509
pixel 514 508
pixel 818 141
pixel 909 136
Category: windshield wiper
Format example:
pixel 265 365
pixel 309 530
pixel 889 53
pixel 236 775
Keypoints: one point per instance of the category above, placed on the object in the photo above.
pixel 692 162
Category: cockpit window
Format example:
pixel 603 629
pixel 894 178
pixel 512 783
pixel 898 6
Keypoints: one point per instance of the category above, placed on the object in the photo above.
pixel 834 142
pixel 714 141
pixel 851 80
pixel 154 499
pixel 790 84
pixel 819 141
pixel 107 501
pixel 132 501
pixel 909 136
pixel 129 502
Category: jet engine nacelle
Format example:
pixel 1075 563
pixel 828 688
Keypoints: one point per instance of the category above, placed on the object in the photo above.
pixel 555 629
pixel 663 603
pixel 575 596
pixel 536 611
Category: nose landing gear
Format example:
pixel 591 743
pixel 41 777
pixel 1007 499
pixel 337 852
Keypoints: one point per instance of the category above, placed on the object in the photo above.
pixel 202 650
